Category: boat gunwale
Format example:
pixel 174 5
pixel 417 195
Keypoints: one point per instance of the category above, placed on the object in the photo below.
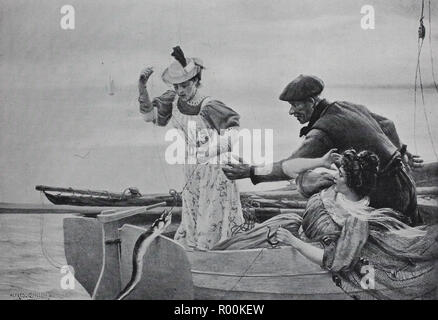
pixel 213 251
pixel 259 275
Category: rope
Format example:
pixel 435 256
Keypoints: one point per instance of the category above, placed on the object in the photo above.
pixel 46 255
pixel 419 47
pixel 418 76
pixel 430 48
pixel 244 273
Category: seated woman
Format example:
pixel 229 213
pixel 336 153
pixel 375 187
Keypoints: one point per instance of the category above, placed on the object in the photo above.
pixel 349 236
pixel 210 202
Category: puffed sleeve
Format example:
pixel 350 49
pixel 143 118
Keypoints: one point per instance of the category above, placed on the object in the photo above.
pixel 219 116
pixel 341 255
pixel 164 105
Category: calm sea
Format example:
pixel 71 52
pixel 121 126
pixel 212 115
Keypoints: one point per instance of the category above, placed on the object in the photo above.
pixel 27 273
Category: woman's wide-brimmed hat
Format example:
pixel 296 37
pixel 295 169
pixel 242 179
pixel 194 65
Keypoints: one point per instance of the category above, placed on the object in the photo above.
pixel 182 69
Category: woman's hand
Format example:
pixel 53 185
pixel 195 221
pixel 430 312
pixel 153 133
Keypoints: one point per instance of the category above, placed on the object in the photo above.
pixel 145 74
pixel 330 157
pixel 306 249
pixel 284 236
pixel 145 103
pixel 202 155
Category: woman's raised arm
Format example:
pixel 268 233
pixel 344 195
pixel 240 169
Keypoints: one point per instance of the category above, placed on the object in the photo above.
pixel 146 106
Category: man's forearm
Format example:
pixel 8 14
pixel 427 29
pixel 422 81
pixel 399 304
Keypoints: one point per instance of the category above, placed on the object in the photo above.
pixel 316 144
pixel 258 174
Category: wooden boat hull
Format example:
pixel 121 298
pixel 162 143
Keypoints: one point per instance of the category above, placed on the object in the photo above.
pixel 260 274
pixel 170 272
pixel 239 274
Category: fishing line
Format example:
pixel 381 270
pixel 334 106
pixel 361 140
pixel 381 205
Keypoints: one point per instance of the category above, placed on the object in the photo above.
pixel 154 133
pixel 179 14
pixel 189 178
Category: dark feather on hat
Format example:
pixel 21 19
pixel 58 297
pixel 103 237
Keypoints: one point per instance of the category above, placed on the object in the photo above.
pixel 178 54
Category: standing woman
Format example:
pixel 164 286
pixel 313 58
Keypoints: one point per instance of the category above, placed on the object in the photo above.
pixel 210 202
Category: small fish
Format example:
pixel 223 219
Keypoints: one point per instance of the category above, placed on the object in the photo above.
pixel 141 245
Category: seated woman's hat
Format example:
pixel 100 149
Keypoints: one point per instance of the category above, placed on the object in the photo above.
pixel 182 69
pixel 301 88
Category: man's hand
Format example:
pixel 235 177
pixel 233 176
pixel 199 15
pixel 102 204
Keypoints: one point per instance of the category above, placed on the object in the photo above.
pixel 414 161
pixel 236 171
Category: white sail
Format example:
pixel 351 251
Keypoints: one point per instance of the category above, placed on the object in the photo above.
pixel 111 87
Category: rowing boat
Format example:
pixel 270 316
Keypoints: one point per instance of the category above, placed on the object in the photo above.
pixel 100 250
pixel 131 197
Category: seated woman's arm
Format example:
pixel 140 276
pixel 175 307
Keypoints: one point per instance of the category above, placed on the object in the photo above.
pixel 311 252
pixel 336 256
pixel 293 167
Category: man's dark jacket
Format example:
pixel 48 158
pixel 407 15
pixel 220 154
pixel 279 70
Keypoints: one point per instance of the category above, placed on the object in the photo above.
pixel 343 125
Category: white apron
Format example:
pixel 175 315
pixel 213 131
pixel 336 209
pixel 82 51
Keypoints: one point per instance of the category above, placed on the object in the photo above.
pixel 211 207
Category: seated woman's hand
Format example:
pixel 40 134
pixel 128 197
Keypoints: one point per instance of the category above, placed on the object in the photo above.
pixel 330 158
pixel 284 236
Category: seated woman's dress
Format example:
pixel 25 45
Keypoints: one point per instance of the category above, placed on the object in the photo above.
pixel 403 261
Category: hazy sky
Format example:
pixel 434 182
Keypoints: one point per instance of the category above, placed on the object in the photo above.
pixel 248 39
pixel 54 109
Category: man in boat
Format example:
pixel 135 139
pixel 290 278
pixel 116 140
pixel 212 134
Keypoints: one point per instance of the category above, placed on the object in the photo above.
pixel 342 125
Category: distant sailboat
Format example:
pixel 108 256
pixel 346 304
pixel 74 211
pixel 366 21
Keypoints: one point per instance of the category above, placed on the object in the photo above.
pixel 111 87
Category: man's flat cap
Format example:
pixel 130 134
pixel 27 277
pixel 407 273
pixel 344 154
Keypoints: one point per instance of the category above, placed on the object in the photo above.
pixel 301 88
